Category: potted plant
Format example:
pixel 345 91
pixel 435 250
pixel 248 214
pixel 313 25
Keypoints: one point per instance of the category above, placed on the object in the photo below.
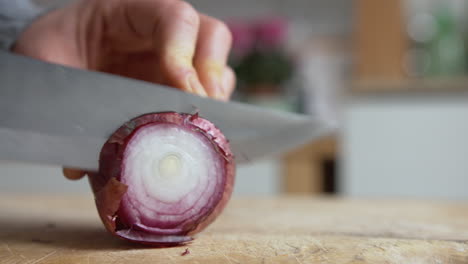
pixel 260 61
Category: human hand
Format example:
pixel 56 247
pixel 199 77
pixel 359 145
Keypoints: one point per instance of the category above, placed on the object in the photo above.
pixel 160 41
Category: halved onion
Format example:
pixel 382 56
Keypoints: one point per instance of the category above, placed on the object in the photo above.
pixel 163 177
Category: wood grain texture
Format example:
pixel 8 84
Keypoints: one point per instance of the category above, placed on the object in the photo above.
pixel 39 229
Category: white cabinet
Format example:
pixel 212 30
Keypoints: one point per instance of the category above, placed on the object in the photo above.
pixel 406 145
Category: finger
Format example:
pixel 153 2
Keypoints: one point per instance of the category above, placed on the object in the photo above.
pixel 213 45
pixel 73 174
pixel 176 38
pixel 228 83
pixel 171 26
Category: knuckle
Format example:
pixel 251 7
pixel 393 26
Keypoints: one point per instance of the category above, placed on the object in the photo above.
pixel 174 67
pixel 185 13
pixel 221 29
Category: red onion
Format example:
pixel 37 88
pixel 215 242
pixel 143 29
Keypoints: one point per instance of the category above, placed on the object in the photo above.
pixel 162 178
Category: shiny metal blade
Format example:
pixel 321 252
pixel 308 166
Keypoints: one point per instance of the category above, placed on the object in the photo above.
pixel 58 115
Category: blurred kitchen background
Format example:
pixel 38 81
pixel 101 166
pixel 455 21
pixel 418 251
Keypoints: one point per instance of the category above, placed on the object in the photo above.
pixel 391 75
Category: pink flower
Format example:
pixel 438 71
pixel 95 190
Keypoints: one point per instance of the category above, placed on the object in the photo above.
pixel 266 33
pixel 271 32
pixel 243 37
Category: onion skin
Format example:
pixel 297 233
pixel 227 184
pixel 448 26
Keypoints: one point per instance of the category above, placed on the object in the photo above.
pixel 109 190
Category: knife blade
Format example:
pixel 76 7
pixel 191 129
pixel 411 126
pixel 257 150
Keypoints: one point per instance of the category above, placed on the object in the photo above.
pixel 62 116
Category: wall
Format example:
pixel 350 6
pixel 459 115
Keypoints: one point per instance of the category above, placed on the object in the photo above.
pixel 406 145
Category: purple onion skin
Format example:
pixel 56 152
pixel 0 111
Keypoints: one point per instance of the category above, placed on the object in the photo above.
pixel 109 191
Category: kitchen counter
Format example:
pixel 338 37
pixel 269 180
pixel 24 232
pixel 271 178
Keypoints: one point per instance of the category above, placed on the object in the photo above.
pixel 66 229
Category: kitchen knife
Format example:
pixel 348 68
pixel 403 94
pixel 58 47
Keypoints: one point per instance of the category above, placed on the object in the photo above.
pixel 58 115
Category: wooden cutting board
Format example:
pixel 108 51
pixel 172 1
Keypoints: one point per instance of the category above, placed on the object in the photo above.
pixel 39 229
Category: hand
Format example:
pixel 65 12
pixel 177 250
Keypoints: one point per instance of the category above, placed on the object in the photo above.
pixel 160 41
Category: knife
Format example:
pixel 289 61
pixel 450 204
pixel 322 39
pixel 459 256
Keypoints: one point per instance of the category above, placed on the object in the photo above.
pixel 58 115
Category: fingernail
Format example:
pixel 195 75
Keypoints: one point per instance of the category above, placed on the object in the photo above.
pixel 214 69
pixel 224 87
pixel 216 86
pixel 195 87
pixel 220 93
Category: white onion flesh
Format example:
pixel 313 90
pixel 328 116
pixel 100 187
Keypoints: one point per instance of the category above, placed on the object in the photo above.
pixel 171 172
